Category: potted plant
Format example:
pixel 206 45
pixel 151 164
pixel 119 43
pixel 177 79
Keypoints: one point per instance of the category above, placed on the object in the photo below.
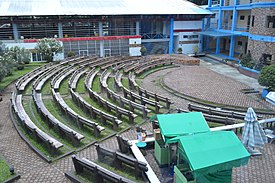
pixel 179 50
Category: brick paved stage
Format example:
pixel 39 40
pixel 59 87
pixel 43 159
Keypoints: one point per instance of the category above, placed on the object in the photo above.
pixel 199 81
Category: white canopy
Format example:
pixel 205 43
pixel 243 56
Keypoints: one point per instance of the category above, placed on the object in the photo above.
pixel 98 7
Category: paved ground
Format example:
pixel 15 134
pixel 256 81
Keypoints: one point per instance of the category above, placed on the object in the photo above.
pixel 212 79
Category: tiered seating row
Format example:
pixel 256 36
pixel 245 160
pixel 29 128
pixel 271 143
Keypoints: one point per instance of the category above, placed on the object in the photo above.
pixel 80 121
pixel 57 80
pixel 134 96
pixel 143 92
pixel 120 99
pixel 75 77
pixel 22 83
pixel 104 103
pixel 99 173
pixel 53 122
pixel 52 144
pixel 94 112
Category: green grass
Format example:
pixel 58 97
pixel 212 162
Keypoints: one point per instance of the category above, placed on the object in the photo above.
pixel 18 73
pixel 111 82
pixel 125 83
pixel 80 87
pixel 64 86
pixel 4 170
pixel 46 89
pixel 96 85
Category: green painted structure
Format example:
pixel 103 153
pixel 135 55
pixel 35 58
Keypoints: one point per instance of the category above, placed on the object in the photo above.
pixel 202 156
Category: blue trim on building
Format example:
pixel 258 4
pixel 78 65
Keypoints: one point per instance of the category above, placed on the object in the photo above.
pixel 244 6
pixel 171 42
pixel 232 47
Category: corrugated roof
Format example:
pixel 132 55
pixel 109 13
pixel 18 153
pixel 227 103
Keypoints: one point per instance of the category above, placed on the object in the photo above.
pixel 97 7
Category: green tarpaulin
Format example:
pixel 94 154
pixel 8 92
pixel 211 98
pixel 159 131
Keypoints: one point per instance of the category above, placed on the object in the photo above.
pixel 173 125
pixel 212 152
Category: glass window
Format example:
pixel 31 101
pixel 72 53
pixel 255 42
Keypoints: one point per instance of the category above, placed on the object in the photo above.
pixel 185 36
pixel 242 17
pixel 240 43
pixel 270 21
pixel 253 18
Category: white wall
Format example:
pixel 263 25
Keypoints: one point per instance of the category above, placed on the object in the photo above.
pixel 179 25
pixel 186 39
pixel 135 45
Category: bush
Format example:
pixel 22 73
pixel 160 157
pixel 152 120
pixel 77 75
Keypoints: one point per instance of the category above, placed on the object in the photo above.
pixel 71 54
pixel 246 61
pixel 179 50
pixel 143 50
pixel 20 67
pixel 267 77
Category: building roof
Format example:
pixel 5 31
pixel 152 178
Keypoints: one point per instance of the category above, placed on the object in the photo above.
pixel 210 152
pixel 98 7
pixel 173 125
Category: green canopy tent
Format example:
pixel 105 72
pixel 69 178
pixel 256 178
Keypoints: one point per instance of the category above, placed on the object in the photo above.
pixel 210 156
pixel 173 125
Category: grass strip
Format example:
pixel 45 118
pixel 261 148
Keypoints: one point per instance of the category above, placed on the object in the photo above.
pixel 4 170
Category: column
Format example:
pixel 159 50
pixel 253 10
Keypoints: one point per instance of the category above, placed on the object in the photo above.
pixel 201 36
pixel 232 46
pixel 60 30
pixel 209 3
pixel 101 43
pixel 233 28
pixel 132 28
pixel 218 45
pixel 15 31
pixel 137 28
pixel 171 42
pixel 164 28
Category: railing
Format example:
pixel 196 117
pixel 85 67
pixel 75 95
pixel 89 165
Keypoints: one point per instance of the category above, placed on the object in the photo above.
pixel 154 36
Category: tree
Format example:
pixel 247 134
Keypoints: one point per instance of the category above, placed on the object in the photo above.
pixel 267 77
pixel 20 55
pixel 6 65
pixel 48 48
pixel 2 48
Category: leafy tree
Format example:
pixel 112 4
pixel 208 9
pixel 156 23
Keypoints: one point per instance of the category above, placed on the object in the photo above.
pixel 48 47
pixel 2 48
pixel 20 55
pixel 196 49
pixel 267 77
pixel 6 65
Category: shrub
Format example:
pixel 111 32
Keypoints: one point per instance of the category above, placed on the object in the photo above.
pixel 143 50
pixel 247 61
pixel 267 77
pixel 71 54
pixel 180 50
pixel 20 67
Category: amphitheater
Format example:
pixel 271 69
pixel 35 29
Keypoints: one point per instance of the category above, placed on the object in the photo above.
pixel 64 109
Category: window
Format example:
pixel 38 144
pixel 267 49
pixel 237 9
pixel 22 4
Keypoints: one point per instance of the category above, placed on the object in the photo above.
pixel 231 17
pixel 253 18
pixel 242 17
pixel 195 36
pixel 240 43
pixel 270 21
pixel 185 36
pixel 36 57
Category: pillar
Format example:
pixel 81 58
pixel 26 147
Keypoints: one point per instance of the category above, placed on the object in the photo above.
pixel 137 27
pixel 101 43
pixel 60 30
pixel 15 31
pixel 171 42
